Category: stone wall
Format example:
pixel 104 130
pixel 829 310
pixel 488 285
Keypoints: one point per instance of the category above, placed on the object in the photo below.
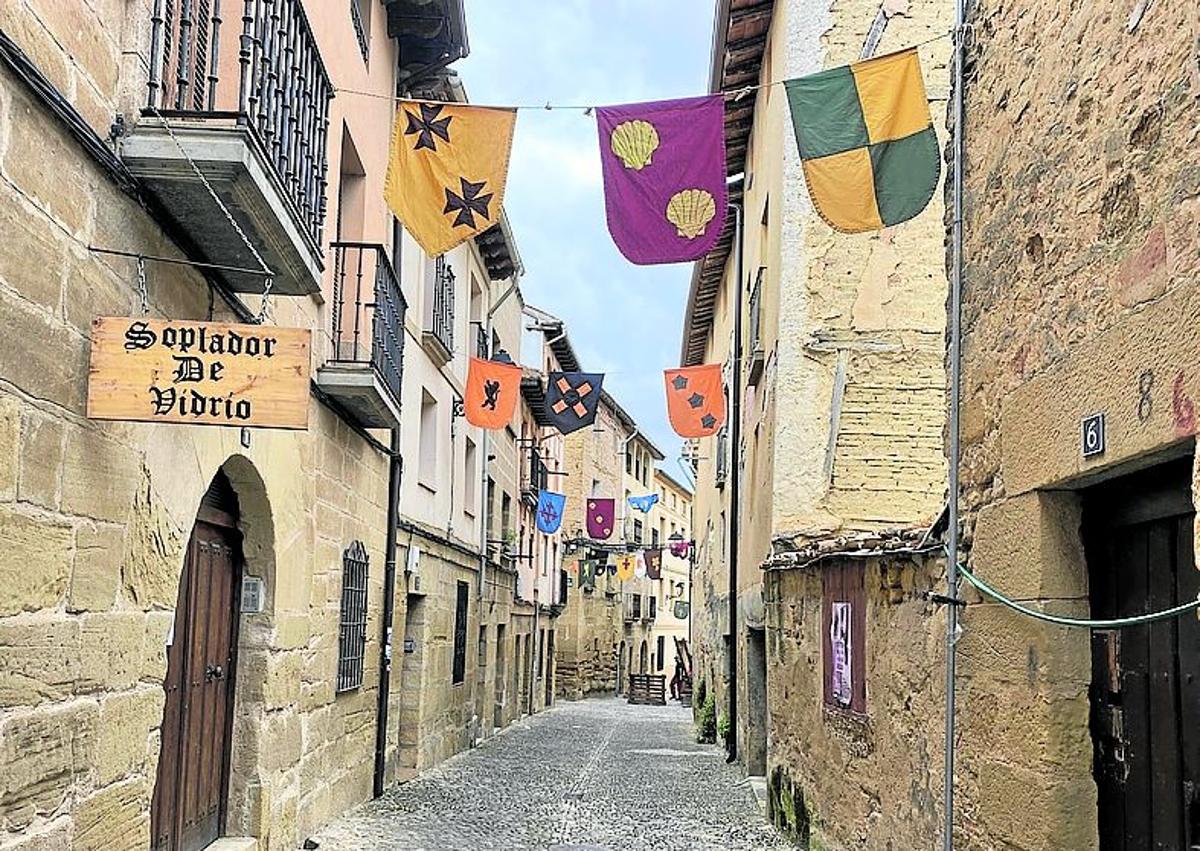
pixel 843 780
pixel 95 517
pixel 1080 267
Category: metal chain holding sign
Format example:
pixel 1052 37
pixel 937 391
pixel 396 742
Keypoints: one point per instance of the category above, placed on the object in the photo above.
pixel 267 273
pixel 143 295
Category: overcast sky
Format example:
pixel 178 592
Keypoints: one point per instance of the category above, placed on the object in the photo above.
pixel 623 320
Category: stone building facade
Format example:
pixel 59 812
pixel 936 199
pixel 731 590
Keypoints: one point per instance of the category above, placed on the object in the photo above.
pixel 671 523
pixel 100 520
pixel 840 382
pixel 1081 261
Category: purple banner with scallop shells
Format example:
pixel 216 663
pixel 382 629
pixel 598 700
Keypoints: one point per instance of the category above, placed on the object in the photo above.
pixel 664 177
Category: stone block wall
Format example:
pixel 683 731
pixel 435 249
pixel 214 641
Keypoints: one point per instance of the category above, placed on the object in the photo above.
pixel 843 780
pixel 95 516
pixel 1081 264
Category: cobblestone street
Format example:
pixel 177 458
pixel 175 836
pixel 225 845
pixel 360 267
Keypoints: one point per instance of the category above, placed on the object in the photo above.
pixel 596 774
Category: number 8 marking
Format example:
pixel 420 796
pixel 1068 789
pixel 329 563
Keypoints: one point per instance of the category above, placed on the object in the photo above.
pixel 1145 403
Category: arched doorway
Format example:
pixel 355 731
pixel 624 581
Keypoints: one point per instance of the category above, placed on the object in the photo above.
pixel 191 788
pixel 644 659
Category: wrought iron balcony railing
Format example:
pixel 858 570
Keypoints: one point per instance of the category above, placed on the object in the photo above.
pixel 439 326
pixel 280 89
pixel 360 30
pixel 536 478
pixel 368 312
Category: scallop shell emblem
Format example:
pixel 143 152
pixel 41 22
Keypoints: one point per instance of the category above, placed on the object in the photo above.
pixel 635 143
pixel 690 211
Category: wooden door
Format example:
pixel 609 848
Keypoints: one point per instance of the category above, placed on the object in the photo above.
pixel 189 793
pixel 1145 679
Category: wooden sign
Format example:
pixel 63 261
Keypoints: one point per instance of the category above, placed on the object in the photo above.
pixel 200 373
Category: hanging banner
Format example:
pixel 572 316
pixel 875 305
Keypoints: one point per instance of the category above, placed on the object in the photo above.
pixel 626 564
pixel 639 565
pixel 550 511
pixel 643 503
pixel 587 574
pixel 870 154
pixel 664 177
pixel 601 517
pixel 695 400
pixel 572 399
pixel 681 609
pixel 653 557
pixel 447 170
pixel 199 373
pixel 491 393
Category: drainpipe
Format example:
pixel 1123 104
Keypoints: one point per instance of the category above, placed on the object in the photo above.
pixel 395 471
pixel 735 439
pixel 955 394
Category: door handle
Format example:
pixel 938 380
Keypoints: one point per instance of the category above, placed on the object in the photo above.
pixel 213 672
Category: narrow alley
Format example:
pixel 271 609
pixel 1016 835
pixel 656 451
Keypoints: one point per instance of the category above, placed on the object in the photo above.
pixel 596 773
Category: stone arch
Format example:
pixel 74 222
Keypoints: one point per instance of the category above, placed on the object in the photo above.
pixel 247 792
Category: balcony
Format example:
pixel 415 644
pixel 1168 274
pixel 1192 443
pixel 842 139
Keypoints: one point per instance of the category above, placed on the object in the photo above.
pixel 365 365
pixel 244 101
pixel 438 333
pixel 535 478
pixel 757 357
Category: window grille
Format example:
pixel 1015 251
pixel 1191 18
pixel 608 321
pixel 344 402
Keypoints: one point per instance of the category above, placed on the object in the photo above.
pixel 352 623
pixel 460 634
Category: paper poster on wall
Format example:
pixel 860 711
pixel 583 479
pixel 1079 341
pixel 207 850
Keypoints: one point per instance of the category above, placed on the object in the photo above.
pixel 839 643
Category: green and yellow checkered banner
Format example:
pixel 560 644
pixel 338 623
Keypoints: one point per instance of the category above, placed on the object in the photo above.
pixel 870 155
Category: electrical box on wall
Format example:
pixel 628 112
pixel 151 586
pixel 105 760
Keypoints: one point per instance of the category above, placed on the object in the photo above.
pixel 252 595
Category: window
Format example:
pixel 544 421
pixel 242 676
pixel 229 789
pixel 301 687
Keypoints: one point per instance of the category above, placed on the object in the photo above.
pixel 636 605
pixel 843 636
pixel 637 531
pixel 661 651
pixel 628 460
pixel 483 646
pixel 352 622
pixel 541 657
pixel 470 478
pixel 505 515
pixel 653 601
pixel 428 459
pixel 654 537
pixel 360 16
pixel 460 634
pixel 489 509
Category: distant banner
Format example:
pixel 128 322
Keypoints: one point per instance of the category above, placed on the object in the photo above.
pixel 643 503
pixel 550 511
pixel 601 517
pixel 696 400
pixel 490 398
pixel 572 399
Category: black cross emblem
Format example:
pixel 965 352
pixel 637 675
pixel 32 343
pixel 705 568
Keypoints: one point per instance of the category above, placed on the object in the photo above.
pixel 427 126
pixel 468 203
pixel 491 390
